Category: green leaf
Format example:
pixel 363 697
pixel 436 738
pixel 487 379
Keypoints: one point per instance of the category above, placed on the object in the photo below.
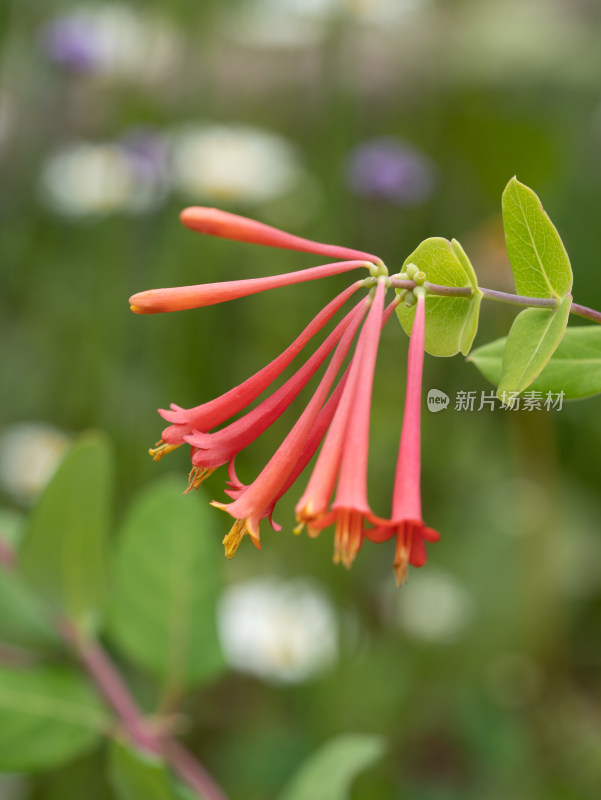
pixel 465 262
pixel 330 772
pixel 63 554
pixel 532 340
pixel 23 620
pixel 574 368
pixel 139 776
pixel 12 524
pixel 47 717
pixel 540 264
pixel 451 322
pixel 167 578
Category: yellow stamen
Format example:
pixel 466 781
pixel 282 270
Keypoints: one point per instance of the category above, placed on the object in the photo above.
pixel 232 540
pixel 348 537
pixel 137 309
pixel 161 449
pixel 306 516
pixel 401 559
pixel 197 476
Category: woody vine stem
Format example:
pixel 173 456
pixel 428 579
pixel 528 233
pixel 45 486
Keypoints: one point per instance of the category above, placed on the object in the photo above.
pixel 500 297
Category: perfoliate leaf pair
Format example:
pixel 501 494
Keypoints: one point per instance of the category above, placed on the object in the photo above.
pixel 451 322
pixel 541 268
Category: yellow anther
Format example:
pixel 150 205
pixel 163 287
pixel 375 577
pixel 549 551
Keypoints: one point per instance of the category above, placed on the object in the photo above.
pixel 197 476
pixel 161 449
pixel 232 540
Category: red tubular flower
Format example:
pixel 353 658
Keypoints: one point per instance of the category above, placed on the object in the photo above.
pixel 211 450
pixel 181 298
pixel 230 226
pixel 254 502
pixel 312 509
pixel 345 451
pixel 406 520
pixel 208 415
pixel 341 419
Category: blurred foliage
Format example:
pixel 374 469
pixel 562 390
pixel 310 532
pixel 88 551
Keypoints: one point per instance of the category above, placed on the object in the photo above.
pixel 504 701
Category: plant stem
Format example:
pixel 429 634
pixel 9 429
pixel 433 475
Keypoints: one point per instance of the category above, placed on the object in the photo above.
pixel 519 299
pixel 434 288
pixel 192 771
pixel 500 297
pixel 587 313
pixel 99 666
pixel 107 678
pixel 111 685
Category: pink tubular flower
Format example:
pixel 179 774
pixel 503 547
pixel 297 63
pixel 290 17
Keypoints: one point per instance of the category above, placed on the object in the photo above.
pixel 231 226
pixel 337 414
pixel 345 451
pixel 181 298
pixel 255 501
pixel 211 450
pixel 206 416
pixel 406 520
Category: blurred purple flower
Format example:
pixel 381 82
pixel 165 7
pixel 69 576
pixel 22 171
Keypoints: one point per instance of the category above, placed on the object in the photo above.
pixel 389 169
pixel 72 42
pixel 147 152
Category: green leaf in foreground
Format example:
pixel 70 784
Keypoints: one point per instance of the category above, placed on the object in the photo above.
pixel 12 524
pixel 22 617
pixel 167 579
pixel 574 368
pixel 539 262
pixel 139 776
pixel 63 554
pixel 331 771
pixel 533 338
pixel 451 322
pixel 23 620
pixel 47 717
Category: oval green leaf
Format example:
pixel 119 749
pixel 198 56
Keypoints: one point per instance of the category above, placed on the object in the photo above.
pixel 331 771
pixel 532 340
pixel 539 262
pixel 63 553
pixel 574 368
pixel 47 718
pixel 139 776
pixel 451 322
pixel 167 579
pixel 23 621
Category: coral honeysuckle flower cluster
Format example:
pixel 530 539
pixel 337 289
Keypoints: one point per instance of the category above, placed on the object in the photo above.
pixel 337 415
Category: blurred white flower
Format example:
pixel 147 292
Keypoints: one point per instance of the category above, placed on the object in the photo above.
pixel 114 40
pixel 281 631
pixel 433 607
pixel 380 11
pixel 279 23
pixel 304 23
pixel 29 455
pixel 97 178
pixel 233 163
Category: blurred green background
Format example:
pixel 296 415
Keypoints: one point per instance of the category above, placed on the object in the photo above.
pixel 368 123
